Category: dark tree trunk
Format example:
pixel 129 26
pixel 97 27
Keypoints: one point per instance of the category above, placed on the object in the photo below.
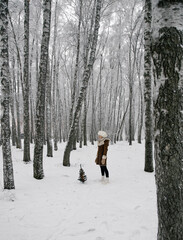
pixel 86 77
pixel 168 103
pixel 148 89
pixel 5 98
pixel 26 157
pixel 40 104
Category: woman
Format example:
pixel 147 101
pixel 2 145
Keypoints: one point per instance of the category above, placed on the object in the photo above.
pixel 103 143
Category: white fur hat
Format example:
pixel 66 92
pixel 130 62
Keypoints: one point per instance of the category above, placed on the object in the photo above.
pixel 102 134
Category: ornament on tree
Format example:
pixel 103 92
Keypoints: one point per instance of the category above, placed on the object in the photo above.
pixel 82 176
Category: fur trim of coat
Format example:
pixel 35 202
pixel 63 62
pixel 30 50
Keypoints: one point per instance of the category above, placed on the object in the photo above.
pixel 101 158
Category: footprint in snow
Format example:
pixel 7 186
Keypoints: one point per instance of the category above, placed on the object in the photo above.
pixel 105 224
pixel 144 228
pixel 135 234
pixel 119 232
pixel 137 207
pixel 91 230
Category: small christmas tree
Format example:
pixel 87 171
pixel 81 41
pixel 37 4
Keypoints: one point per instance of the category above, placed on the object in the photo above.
pixel 82 176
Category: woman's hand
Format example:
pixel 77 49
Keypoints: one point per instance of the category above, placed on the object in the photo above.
pixel 104 157
pixel 103 161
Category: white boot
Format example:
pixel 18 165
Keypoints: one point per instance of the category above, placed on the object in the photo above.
pixel 107 180
pixel 102 179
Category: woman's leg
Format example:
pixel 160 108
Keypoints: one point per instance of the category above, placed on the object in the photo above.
pixel 102 170
pixel 106 171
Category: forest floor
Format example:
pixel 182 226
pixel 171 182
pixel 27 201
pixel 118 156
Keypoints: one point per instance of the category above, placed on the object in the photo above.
pixel 60 207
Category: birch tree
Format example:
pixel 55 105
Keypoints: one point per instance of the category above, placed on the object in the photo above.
pixel 17 96
pixel 17 83
pixel 148 89
pixel 54 73
pixel 40 103
pixel 167 50
pixel 26 157
pixel 76 64
pixel 133 40
pixel 48 112
pixel 5 97
pixel 14 137
pixel 86 77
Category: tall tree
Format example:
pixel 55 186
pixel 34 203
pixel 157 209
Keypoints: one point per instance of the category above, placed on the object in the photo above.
pixel 76 70
pixel 76 64
pixel 16 85
pixel 19 142
pixel 12 106
pixel 148 88
pixel 5 97
pixel 40 103
pixel 167 50
pixel 86 77
pixel 54 74
pixel 48 112
pixel 26 157
pixel 133 43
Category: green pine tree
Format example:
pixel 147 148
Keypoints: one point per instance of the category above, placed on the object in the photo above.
pixel 82 176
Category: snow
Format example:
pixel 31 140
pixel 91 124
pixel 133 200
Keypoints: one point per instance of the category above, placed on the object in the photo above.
pixel 61 207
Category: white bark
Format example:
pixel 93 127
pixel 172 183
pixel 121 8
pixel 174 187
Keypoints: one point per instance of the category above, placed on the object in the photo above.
pixel 5 97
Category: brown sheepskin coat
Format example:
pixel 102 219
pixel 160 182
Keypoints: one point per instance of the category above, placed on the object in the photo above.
pixel 102 153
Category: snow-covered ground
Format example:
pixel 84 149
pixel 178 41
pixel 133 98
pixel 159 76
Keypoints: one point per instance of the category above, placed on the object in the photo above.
pixel 59 207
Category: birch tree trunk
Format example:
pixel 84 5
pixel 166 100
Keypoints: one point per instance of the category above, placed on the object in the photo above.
pixel 85 121
pixel 60 120
pixel 93 131
pixel 19 76
pixel 12 105
pixel 19 142
pixel 40 103
pixel 131 92
pixel 56 108
pixel 26 157
pixel 48 112
pixel 148 89
pixel 167 50
pixel 141 112
pixel 31 97
pixel 86 77
pixel 141 95
pixel 74 88
pixel 76 65
pixel 5 97
pixel 55 61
